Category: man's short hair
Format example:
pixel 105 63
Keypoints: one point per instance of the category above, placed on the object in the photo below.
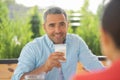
pixel 54 10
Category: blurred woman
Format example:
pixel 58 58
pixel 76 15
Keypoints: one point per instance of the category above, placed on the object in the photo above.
pixel 110 44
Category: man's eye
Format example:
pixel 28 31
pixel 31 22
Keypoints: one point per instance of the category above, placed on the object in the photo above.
pixel 62 24
pixel 51 25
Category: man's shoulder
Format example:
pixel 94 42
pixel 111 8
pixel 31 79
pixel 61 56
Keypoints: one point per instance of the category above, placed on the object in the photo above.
pixel 36 41
pixel 39 39
pixel 73 36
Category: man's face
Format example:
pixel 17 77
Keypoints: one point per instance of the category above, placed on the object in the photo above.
pixel 56 27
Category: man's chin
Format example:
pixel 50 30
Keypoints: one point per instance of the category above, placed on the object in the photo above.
pixel 58 42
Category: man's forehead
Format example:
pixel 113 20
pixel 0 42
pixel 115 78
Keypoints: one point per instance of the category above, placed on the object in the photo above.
pixel 55 22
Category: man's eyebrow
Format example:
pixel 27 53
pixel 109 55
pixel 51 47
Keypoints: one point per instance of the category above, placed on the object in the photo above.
pixel 62 22
pixel 51 23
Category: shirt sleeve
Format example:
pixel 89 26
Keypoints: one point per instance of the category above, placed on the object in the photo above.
pixel 87 58
pixel 26 62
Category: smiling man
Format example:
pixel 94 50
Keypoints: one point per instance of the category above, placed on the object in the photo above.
pixel 56 27
pixel 39 55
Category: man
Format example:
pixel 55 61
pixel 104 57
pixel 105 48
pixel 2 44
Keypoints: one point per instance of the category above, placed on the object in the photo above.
pixel 110 43
pixel 39 55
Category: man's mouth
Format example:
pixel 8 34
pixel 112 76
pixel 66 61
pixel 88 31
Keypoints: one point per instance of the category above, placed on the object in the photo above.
pixel 58 36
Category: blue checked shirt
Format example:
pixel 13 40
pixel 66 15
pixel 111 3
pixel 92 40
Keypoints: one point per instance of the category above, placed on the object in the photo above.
pixel 35 53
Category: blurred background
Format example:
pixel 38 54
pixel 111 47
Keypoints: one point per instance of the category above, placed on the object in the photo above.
pixel 21 21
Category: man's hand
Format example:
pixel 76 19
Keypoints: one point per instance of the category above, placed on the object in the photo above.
pixel 53 61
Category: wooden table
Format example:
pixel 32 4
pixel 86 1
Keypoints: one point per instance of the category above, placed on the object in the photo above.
pixel 7 67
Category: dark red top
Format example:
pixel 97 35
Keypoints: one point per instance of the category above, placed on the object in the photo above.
pixel 112 73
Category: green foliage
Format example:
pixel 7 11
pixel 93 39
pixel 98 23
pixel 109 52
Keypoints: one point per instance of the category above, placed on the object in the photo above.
pixel 35 22
pixel 70 30
pixel 89 29
pixel 3 8
pixel 14 34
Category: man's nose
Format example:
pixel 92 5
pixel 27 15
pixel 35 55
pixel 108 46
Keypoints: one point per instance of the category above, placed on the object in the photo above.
pixel 57 29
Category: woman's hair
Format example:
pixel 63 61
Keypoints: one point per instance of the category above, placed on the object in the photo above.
pixel 111 20
pixel 54 10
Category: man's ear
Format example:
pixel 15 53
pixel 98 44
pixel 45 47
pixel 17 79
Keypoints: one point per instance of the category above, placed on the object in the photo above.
pixel 68 25
pixel 68 22
pixel 44 27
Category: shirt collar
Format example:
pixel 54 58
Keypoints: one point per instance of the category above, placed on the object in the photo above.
pixel 49 41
